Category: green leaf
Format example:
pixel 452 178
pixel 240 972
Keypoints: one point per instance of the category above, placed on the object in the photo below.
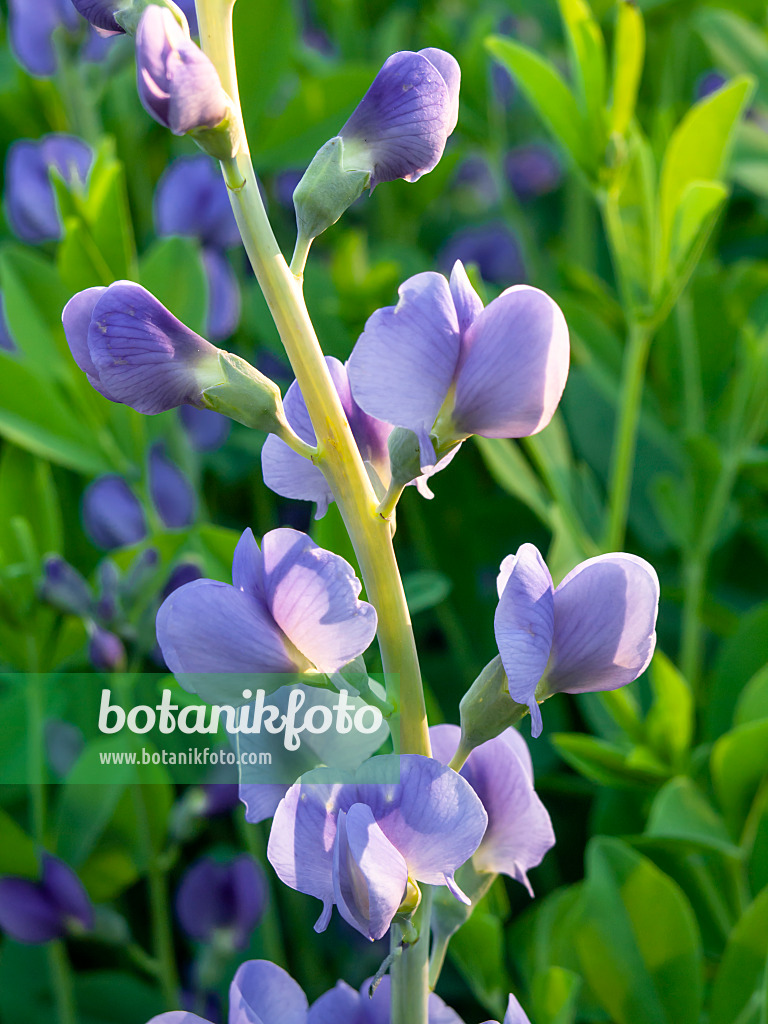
pixel 740 990
pixel 34 416
pixel 749 166
pixel 17 851
pixel 512 471
pixel 739 764
pixel 477 949
pixel 587 48
pixel 424 589
pixel 637 939
pixel 265 38
pixel 108 214
pixel 753 702
pixel 27 489
pixel 736 45
pixel 555 994
pixel 173 271
pixel 740 656
pixel 607 764
pixel 550 96
pixel 670 722
pixel 680 811
pixel 697 152
pixel 631 216
pixel 628 56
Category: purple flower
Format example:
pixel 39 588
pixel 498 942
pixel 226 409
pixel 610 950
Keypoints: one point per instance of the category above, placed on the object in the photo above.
pixel 64 587
pixel 29 198
pixel 106 651
pixel 191 200
pixel 500 771
pixel 288 474
pixel 178 85
pixel 263 993
pixel 134 351
pixel 439 356
pixel 533 170
pixel 292 606
pixel 491 247
pixel 100 13
pixel 224 302
pixel 185 572
pixel 112 514
pixel 7 344
pixel 596 631
pixel 400 127
pixel 31 28
pixel 514 1015
pixel 172 494
pixel 219 798
pixel 708 83
pixel 36 912
pixel 207 430
pixel 222 902
pixel 357 844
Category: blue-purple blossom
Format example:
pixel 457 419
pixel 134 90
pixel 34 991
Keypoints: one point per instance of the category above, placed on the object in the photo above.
pixel 515 1013
pixel 708 83
pixel 533 170
pixel 400 127
pixel 500 771
pixel 171 491
pixel 112 514
pixel 36 912
pixel 595 631
pixel 222 902
pixel 100 13
pixel 492 248
pixel 64 587
pixel 106 651
pixel 29 197
pixel 191 200
pixel 133 350
pixel 207 430
pixel 440 362
pixel 357 844
pixel 263 993
pixel 224 300
pixel 32 25
pixel 7 344
pixel 178 85
pixel 293 607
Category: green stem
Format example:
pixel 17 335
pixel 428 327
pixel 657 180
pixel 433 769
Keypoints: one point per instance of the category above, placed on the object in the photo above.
pixel 61 977
pixel 337 453
pixel 410 972
pixel 159 902
pixel 693 395
pixel 625 440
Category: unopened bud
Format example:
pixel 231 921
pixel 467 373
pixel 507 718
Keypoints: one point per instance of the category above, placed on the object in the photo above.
pixel 326 190
pixel 487 709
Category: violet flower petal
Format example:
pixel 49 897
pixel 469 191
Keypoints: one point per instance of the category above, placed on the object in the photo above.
pixel 468 303
pixel 341 1003
pixel 112 514
pixel 224 302
pixel 29 197
pixel 210 627
pixel 400 127
pixel 172 494
pixel 524 625
pixel 100 13
pixel 207 430
pixel 178 85
pixel 67 892
pixel 605 624
pixel 403 364
pixel 369 874
pixel 248 567
pixel 31 30
pixel 178 1017
pixel 192 199
pixel 313 596
pixel 143 355
pixel 514 366
pixel 261 799
pixel 27 913
pixel 263 993
pixel 214 897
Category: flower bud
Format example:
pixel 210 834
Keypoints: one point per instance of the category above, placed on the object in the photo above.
pixel 106 651
pixel 487 709
pixel 172 494
pixel 29 196
pixel 112 514
pixel 110 16
pixel 327 189
pixel 246 395
pixel 222 902
pixel 64 587
pixel 36 912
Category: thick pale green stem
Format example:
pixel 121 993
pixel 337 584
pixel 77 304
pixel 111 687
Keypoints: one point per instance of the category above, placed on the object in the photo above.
pixel 410 971
pixel 625 440
pixel 337 453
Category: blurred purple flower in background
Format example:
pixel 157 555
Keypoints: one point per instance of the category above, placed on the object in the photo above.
pixel 57 905
pixel 112 514
pixel 292 606
pixel 32 25
pixel 533 170
pixel 497 372
pixel 7 344
pixel 222 903
pixel 492 248
pixel 133 350
pixel 30 201
pixel 357 844
pixel 708 83
pixel 106 651
pixel 172 494
pixel 500 771
pixel 400 127
pixel 178 85
pixel 100 13
pixel 595 631
pixel 346 1005
pixel 206 430
pixel 64 587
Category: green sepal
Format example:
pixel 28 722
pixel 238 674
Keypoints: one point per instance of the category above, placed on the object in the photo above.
pixel 487 709
pixel 246 395
pixel 326 190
